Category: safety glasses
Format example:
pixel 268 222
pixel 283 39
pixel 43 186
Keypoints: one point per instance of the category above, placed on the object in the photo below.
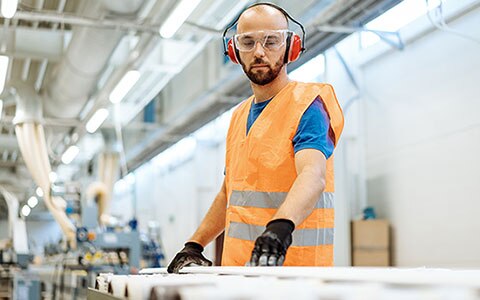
pixel 269 39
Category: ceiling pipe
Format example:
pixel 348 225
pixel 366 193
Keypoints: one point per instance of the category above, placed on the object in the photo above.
pixel 54 17
pixel 155 12
pixel 72 81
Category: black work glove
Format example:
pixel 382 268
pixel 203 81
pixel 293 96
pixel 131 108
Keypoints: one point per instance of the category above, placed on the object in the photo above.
pixel 271 247
pixel 190 254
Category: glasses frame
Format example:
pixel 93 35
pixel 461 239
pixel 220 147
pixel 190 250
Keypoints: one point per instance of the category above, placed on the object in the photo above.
pixel 285 32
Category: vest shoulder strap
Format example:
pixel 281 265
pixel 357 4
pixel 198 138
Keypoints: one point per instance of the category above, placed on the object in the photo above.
pixel 327 94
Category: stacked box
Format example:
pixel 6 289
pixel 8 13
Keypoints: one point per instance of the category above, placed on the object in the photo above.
pixel 370 243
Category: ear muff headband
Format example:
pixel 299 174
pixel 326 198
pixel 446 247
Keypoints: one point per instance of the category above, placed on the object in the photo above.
pixel 295 44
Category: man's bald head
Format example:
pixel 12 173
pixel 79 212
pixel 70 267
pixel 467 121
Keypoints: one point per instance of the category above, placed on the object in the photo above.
pixel 261 17
pixel 262 65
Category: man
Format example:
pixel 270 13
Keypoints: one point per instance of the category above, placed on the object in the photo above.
pixel 279 169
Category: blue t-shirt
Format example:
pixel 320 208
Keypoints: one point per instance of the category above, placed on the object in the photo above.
pixel 313 132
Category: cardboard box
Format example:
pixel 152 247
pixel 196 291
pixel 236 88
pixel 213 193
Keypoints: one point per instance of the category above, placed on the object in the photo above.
pixel 372 258
pixel 370 234
pixel 371 243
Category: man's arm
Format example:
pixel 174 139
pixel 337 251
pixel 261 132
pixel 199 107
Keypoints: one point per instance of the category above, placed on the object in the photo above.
pixel 214 221
pixel 307 188
pixel 271 247
pixel 212 225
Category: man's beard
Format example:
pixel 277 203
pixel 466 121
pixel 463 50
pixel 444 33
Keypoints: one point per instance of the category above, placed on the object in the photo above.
pixel 263 78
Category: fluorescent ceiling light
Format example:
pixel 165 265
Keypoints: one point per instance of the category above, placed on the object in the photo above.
pixel 9 7
pixel 124 86
pixel 32 202
pixel 39 192
pixel 3 70
pixel 26 210
pixel 177 17
pixel 52 176
pixel 70 154
pixel 96 120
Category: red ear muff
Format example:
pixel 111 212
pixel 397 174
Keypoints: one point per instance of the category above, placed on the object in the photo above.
pixel 295 48
pixel 231 52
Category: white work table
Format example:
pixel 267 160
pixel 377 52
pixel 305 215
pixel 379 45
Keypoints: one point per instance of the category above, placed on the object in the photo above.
pixel 335 283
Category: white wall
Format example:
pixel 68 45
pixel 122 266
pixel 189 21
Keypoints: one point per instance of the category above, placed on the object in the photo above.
pixel 350 194
pixel 423 145
pixel 418 131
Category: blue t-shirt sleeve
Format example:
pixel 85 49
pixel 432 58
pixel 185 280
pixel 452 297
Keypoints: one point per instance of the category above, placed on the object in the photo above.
pixel 313 130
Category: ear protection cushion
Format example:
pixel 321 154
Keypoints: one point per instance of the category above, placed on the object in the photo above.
pixel 295 48
pixel 237 53
pixel 232 52
pixel 288 42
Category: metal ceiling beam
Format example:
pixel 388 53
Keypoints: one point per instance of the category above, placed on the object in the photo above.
pixel 359 14
pixel 49 122
pixel 43 65
pixel 392 38
pixel 74 20
pixel 28 61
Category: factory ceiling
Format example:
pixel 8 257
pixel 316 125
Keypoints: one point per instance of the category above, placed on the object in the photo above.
pixel 74 53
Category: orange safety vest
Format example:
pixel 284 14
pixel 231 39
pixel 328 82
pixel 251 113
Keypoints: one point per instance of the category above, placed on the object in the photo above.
pixel 260 170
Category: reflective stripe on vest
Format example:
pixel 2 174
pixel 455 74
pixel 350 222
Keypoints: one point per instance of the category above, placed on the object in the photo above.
pixel 301 237
pixel 272 200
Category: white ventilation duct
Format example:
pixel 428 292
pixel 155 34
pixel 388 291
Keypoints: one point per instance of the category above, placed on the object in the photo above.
pixel 108 168
pixel 102 190
pixel 31 140
pixel 89 50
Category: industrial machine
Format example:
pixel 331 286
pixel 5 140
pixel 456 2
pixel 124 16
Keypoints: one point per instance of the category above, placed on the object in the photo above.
pixel 16 281
pixel 102 245
pixel 15 249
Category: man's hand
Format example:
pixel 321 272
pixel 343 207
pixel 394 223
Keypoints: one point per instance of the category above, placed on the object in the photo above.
pixel 190 254
pixel 271 247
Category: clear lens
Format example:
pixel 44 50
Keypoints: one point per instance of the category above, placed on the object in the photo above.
pixel 270 40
